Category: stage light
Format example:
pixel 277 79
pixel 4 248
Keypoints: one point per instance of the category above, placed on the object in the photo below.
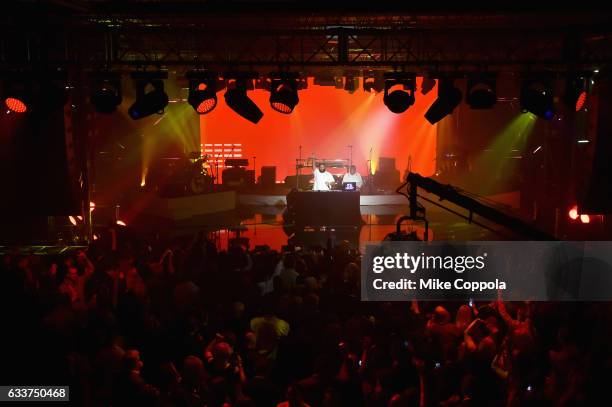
pixel 203 95
pixel 537 98
pixel 373 82
pixel 18 94
pixel 399 100
pixel 573 213
pixel 121 223
pixel 575 92
pixel 15 105
pixel 150 101
pixel 481 92
pixel 449 97
pixel 585 218
pixel 351 83
pixel 427 85
pixel 106 92
pixel 284 95
pixel 30 92
pixel 237 99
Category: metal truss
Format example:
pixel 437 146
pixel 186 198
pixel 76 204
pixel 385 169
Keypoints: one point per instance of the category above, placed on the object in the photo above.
pixel 420 49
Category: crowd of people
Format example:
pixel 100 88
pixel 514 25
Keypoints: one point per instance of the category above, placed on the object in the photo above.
pixel 147 322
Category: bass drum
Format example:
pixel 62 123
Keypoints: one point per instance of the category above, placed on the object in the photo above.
pixel 200 184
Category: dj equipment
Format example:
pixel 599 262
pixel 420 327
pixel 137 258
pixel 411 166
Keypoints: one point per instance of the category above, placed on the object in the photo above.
pixel 349 186
pixel 323 209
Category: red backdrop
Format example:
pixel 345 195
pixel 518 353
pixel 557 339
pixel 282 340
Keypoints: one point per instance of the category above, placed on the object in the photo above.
pixel 325 122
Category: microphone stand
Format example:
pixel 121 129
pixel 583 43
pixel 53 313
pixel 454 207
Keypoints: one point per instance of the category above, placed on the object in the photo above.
pixel 370 177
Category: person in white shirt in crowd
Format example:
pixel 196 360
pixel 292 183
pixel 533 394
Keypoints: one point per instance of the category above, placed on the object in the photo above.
pixel 323 179
pixel 353 176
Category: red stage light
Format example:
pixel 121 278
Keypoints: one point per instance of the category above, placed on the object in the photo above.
pixel 281 107
pixel 15 105
pixel 585 218
pixel 580 101
pixel 206 106
pixel 573 213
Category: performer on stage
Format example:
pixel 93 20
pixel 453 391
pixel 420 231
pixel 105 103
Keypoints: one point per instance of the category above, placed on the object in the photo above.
pixel 323 179
pixel 353 176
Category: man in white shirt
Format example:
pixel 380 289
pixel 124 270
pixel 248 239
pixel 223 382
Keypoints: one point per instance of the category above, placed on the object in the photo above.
pixel 353 176
pixel 323 179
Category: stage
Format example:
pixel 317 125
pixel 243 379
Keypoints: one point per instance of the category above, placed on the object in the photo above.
pixel 255 199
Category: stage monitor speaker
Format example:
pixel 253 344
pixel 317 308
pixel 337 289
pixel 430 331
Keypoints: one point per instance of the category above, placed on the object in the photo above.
pixel 387 180
pixel 598 196
pixel 386 164
pixel 250 177
pixel 304 181
pixel 234 176
pixel 267 177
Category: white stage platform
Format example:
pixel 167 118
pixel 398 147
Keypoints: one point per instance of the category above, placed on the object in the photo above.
pixel 190 206
pixel 280 200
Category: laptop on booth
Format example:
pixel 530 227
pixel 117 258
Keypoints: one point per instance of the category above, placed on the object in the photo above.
pixel 349 186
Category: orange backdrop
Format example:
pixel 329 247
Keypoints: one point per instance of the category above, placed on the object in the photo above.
pixel 325 122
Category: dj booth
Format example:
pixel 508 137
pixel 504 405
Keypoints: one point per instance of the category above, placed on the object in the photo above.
pixel 323 208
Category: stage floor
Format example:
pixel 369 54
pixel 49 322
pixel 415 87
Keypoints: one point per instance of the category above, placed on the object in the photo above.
pixel 254 199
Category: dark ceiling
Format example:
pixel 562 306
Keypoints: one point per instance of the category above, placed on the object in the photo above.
pixel 227 34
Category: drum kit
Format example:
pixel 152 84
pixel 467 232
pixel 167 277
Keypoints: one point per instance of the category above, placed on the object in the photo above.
pixel 191 175
pixel 201 179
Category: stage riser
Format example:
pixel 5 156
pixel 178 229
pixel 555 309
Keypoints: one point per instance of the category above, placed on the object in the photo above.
pixel 190 206
pixel 280 200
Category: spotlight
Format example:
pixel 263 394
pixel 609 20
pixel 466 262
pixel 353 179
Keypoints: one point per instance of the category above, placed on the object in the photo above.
pixel 481 93
pixel 15 105
pixel 351 83
pixel 36 91
pixel 203 94
pixel 373 82
pixel 449 97
pixel 284 94
pixel 237 100
pixel 106 92
pixel 150 101
pixel 573 213
pixel 427 85
pixel 575 92
pixel 18 95
pixel 398 101
pixel 537 98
